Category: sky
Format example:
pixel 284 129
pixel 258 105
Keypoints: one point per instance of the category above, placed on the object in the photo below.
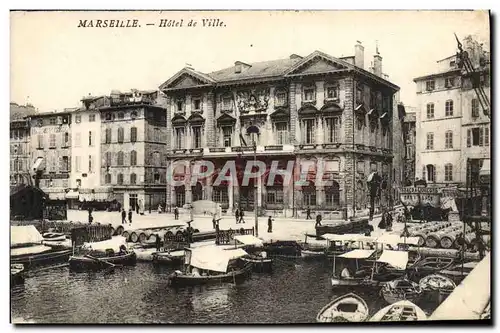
pixel 53 63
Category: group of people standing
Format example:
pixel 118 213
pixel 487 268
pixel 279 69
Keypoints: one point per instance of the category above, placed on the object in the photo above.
pixel 124 216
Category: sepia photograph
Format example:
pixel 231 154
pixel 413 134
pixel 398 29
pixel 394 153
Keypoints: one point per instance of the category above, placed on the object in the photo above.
pixel 250 167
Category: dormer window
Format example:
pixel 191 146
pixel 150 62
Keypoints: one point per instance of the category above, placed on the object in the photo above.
pixel 237 68
pixel 452 63
pixel 430 85
pixel 332 91
pixel 280 98
pixel 309 93
pixel 196 103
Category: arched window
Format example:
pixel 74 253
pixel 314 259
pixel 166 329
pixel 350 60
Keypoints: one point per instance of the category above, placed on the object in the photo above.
pixel 156 159
pixel 119 179
pixel 133 114
pixel 107 159
pixel 133 134
pixel 332 195
pixel 133 178
pixel 133 158
pixel 448 108
pixel 309 195
pixel 119 158
pixel 360 195
pixel 121 135
pixel 180 196
pixel 430 110
pixel 448 172
pixel 197 192
pixel 274 195
pixel 220 192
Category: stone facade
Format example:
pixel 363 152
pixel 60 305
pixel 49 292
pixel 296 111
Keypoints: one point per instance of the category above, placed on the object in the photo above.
pixel 316 110
pixel 20 150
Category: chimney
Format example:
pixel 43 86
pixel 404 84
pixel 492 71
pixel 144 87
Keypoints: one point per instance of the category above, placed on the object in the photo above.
pixel 359 55
pixel 377 64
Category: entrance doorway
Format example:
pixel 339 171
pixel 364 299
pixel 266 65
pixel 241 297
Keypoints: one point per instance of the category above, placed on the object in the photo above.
pixel 132 201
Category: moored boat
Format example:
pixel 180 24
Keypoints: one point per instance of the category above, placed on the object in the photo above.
pixel 96 261
pixel 168 258
pixel 30 257
pixel 399 311
pixel 401 289
pixel 257 257
pixel 342 272
pixel 16 274
pixel 436 282
pixel 350 307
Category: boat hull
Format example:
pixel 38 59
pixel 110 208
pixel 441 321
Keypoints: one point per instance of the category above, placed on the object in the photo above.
pixel 180 280
pixel 350 308
pixel 259 265
pixel 312 255
pixel 16 274
pixel 354 282
pixel 399 311
pixel 163 258
pixel 39 259
pixel 403 291
pixel 81 263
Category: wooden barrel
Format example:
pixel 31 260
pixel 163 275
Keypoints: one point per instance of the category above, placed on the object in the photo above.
pixel 432 240
pixel 126 234
pixel 112 230
pixel 144 235
pixel 448 240
pixel 134 236
pixel 119 230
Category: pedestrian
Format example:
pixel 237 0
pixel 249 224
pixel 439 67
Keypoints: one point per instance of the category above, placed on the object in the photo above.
pixel 213 221
pixel 269 224
pixel 217 236
pixel 388 226
pixel 158 243
pixel 308 214
pixel 137 208
pixel 237 215
pixel 242 220
pixel 318 221
pixel 91 218
pixel 383 220
pixel 124 216
pixel 130 216
pixel 176 213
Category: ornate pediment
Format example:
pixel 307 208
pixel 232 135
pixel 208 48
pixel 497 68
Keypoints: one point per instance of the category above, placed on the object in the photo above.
pixel 186 78
pixel 280 113
pixel 178 120
pixel 196 118
pixel 331 107
pixel 316 63
pixel 308 110
pixel 226 119
pixel 255 100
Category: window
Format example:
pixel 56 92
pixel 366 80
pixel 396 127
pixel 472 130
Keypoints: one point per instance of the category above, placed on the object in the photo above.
pixel 448 140
pixel 156 178
pixel 133 134
pixel 52 121
pixel 66 139
pixel 309 195
pixel 220 194
pixel 479 136
pixel 280 98
pixel 227 133
pixel 78 163
pixel 119 179
pixel 133 178
pixel 431 173
pixel 91 140
pixel 196 137
pixel 309 133
pixel 52 141
pixel 156 135
pixel 475 108
pixel 448 172
pixel 108 158
pixel 133 158
pixel 121 135
pixel 430 141
pixel 179 138
pixel 430 110
pixel 108 116
pixel 196 103
pixel 332 91
pixel 180 196
pixel 449 82
pixel 91 118
pixel 274 195
pixel 65 163
pixel 179 104
pixel 281 133
pixel 78 119
pixel 373 99
pixel 156 159
pixel 332 129
pixel 91 164
pixel 486 139
pixel 78 182
pixel 430 85
pixel 227 102
pixel 133 114
pixel 108 135
pixel 309 93
pixel 452 63
pixel 119 161
pixel 332 195
pixel 448 108
pixel 107 178
pixel 121 115
pixel 359 94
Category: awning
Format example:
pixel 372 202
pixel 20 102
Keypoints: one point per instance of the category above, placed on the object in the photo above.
pixel 24 235
pixel 397 259
pixel 249 240
pixel 348 238
pixel 37 166
pixel 72 195
pixel 383 115
pixel 213 258
pixel 370 112
pixel 357 254
pixel 333 237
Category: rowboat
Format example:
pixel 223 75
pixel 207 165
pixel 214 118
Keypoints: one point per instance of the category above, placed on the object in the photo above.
pixel 311 254
pixel 92 262
pixel 47 257
pixel 350 307
pixel 168 258
pixel 399 311
pixel 179 278
pixel 342 273
pixel 260 264
pixel 436 282
pixel 458 272
pixel 431 265
pixel 16 274
pixel 401 289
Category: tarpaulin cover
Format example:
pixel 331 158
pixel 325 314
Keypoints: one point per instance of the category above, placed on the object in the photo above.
pixel 249 240
pixel 357 254
pixel 24 235
pixel 397 259
pixel 113 243
pixel 213 258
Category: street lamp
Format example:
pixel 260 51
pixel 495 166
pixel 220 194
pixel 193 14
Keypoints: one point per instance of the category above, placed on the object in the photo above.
pixel 253 132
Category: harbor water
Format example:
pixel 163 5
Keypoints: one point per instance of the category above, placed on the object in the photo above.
pixel 293 293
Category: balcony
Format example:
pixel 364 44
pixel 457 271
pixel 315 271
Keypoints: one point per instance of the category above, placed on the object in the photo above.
pixel 274 147
pixel 308 146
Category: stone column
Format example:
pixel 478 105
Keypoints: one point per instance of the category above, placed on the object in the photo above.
pixel 210 120
pixel 349 131
pixel 293 112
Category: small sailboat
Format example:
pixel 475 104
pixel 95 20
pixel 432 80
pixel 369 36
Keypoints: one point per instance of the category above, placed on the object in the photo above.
pixel 350 307
pixel 400 311
pixel 401 289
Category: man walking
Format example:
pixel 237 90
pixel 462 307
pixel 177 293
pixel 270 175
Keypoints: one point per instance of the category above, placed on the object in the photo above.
pixel 158 243
pixel 176 213
pixel 270 224
pixel 237 215
pixel 130 216
pixel 241 217
pixel 318 221
pixel 124 216
pixel 308 214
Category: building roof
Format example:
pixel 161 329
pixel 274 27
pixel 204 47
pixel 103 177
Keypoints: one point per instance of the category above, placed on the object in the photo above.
pixel 438 74
pixel 18 112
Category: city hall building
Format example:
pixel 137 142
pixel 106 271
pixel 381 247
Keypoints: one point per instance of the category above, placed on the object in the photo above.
pixel 309 110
